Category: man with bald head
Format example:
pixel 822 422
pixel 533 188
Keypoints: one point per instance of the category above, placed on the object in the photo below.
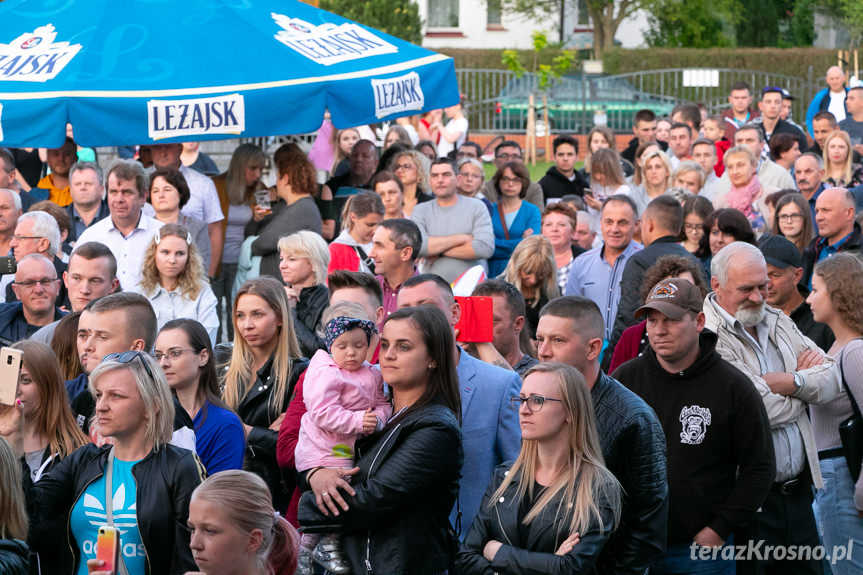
pixel 790 373
pixel 36 285
pixel 830 99
pixel 837 229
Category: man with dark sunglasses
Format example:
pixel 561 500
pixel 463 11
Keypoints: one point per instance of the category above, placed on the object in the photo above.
pixel 716 430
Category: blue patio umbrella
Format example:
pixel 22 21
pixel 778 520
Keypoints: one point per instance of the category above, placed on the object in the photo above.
pixel 128 72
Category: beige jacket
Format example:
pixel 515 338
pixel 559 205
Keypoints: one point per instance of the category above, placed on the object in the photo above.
pixel 821 383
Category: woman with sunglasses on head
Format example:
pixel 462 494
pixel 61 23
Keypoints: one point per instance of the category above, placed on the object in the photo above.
pixel 259 383
pixel 554 508
pixel 184 351
pixel 173 279
pixel 393 516
pixel 141 483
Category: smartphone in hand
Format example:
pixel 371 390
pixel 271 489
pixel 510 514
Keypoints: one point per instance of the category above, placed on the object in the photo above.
pixel 108 548
pixel 10 367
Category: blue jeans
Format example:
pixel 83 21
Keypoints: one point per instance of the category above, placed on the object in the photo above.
pixel 837 517
pixel 683 559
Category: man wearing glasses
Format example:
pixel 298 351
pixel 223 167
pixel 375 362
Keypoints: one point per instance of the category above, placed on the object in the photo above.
pixel 720 453
pixel 36 287
pixel 510 151
pixel 571 331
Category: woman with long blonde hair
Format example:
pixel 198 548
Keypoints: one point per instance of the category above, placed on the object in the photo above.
pixel 412 169
pixel 265 365
pixel 532 270
pixel 839 167
pixel 558 500
pixel 172 278
pixel 236 530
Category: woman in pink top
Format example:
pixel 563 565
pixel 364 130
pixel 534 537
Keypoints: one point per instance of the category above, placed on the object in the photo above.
pixel 345 399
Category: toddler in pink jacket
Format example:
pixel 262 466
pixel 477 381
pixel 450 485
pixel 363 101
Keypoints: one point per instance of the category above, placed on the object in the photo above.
pixel 344 400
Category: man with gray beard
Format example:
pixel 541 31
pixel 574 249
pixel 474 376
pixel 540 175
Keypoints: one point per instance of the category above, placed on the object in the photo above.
pixel 790 372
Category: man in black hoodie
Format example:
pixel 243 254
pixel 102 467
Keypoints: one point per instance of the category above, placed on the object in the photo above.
pixel 720 452
pixel 562 178
pixel 644 128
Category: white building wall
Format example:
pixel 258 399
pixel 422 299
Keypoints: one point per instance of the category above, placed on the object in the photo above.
pixel 515 30
pixel 473 31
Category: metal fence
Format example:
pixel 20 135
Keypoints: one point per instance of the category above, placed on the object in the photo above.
pixel 498 100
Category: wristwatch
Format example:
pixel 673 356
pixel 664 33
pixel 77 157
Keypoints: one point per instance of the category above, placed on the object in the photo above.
pixel 798 382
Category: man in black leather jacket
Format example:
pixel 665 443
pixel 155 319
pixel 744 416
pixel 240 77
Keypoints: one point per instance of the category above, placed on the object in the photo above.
pixel 570 331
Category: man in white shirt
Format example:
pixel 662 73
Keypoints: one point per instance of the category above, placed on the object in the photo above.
pixel 204 201
pixel 127 232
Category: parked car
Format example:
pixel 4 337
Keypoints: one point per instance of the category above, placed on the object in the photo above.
pixel 573 101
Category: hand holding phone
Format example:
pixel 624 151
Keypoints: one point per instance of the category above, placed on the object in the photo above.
pixel 108 549
pixel 10 367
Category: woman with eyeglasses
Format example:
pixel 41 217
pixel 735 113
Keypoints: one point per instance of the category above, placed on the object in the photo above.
pixel 174 280
pixel 696 210
pixel 411 167
pixel 553 510
pixel 793 219
pixel 184 351
pixel 259 383
pixel 512 218
pixel 393 515
pixel 140 483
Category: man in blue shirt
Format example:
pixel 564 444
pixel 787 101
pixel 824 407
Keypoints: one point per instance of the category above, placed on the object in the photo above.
pixel 596 274
pixel 837 229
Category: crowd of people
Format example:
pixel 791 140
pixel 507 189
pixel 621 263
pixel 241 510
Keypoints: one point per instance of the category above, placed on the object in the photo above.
pixel 210 364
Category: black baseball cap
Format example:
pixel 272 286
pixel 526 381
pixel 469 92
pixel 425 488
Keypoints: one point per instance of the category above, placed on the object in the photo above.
pixel 780 252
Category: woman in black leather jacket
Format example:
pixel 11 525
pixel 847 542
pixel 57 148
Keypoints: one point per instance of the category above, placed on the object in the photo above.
pixel 553 509
pixel 303 261
pixel 265 365
pixel 394 515
pixel 151 482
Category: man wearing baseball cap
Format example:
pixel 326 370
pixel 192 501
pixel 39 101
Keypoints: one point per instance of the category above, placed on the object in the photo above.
pixel 785 292
pixel 720 454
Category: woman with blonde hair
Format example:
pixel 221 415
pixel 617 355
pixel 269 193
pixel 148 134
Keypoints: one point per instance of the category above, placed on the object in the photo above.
pixel 304 260
pixel 411 167
pixel 236 189
pixel 656 176
pixel 172 278
pixel 14 553
pixel 140 482
pixel 839 167
pixel 557 502
pixel 265 365
pixel 640 152
pixel 343 142
pixel 532 270
pixel 837 289
pixel 235 529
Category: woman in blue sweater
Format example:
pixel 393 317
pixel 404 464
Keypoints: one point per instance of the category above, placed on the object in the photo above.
pixel 513 219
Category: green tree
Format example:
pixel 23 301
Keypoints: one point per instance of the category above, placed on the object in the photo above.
pixel 605 15
pixel 759 25
pixel 691 23
pixel 399 18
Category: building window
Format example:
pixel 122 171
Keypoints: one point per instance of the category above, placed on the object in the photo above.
pixel 443 14
pixel 493 15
